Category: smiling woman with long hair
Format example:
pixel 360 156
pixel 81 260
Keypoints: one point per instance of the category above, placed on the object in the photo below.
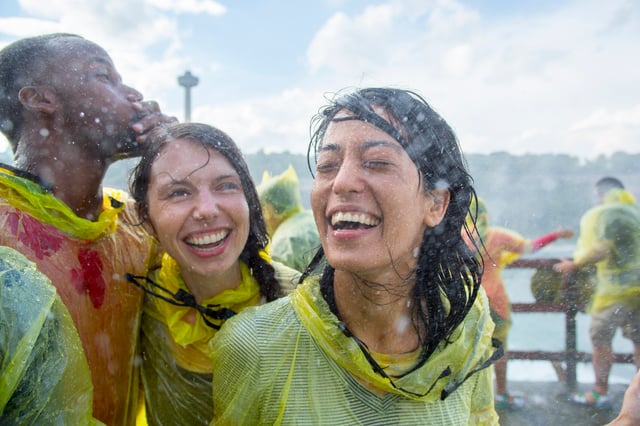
pixel 194 193
pixel 396 330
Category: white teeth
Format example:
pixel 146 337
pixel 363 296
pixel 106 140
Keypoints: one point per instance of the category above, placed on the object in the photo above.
pixel 204 240
pixel 362 218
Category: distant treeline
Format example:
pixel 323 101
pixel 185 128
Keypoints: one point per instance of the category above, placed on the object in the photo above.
pixel 532 194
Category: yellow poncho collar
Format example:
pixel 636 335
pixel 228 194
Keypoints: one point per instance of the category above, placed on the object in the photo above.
pixel 443 372
pixel 198 334
pixel 31 198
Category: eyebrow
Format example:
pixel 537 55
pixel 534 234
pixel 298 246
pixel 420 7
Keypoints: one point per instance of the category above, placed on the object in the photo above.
pixel 365 146
pixel 187 179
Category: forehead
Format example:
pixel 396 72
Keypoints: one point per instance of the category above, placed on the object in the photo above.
pixel 181 158
pixel 349 129
pixel 74 54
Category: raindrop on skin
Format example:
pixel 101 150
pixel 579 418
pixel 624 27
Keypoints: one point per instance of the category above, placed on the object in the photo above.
pixel 44 132
pixel 402 324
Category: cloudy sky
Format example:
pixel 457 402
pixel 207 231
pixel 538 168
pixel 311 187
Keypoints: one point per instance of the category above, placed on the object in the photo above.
pixel 539 76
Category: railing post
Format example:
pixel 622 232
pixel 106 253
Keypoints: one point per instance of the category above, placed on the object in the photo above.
pixel 571 309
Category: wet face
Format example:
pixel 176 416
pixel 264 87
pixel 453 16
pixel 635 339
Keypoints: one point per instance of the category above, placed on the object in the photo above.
pixel 368 202
pixel 198 209
pixel 91 97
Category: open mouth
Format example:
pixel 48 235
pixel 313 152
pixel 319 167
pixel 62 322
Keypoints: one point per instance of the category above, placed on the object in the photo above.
pixel 207 241
pixel 350 221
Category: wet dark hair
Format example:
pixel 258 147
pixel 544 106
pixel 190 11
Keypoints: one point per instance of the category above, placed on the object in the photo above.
pixel 608 183
pixel 446 266
pixel 210 138
pixel 20 63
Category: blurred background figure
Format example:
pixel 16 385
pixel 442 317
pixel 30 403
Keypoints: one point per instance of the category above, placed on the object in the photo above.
pixel 293 232
pixel 609 239
pixel 500 247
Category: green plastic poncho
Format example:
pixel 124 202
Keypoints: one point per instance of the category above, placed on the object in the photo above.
pixel 44 377
pixel 293 232
pixel 176 365
pixel 614 224
pixel 288 362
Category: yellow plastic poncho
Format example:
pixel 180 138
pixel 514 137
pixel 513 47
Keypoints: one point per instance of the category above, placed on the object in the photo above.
pixel 86 261
pixel 288 362
pixel 44 376
pixel 176 365
pixel 616 224
pixel 294 236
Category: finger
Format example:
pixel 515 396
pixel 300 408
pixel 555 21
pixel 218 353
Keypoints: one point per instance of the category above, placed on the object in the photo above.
pixel 147 107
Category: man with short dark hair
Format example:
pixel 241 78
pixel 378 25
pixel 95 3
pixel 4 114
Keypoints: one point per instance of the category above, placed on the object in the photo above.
pixel 68 117
pixel 610 240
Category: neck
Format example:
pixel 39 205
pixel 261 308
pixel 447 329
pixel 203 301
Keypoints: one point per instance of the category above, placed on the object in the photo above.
pixel 204 287
pixel 75 178
pixel 379 315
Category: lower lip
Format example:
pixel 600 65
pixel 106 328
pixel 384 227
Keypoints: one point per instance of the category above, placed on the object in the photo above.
pixel 349 234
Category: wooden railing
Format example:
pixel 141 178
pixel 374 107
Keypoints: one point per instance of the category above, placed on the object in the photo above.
pixel 570 307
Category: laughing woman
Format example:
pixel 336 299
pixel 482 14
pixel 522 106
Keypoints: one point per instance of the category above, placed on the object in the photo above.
pixel 194 193
pixel 397 328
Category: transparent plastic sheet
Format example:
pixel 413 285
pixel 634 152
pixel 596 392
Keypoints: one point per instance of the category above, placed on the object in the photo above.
pixel 177 377
pixel 45 378
pixel 89 275
pixel 288 362
pixel 281 193
pixel 296 241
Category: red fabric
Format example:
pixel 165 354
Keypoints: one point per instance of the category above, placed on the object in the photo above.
pixel 540 242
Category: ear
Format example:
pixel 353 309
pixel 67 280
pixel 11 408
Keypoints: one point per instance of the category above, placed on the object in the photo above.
pixel 437 203
pixel 38 99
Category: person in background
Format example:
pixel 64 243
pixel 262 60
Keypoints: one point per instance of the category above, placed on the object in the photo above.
pixel 396 330
pixel 609 239
pixel 44 373
pixel 68 117
pixel 194 193
pixel 498 247
pixel 294 236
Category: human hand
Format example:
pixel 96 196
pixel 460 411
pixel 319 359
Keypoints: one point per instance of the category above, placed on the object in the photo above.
pixel 564 266
pixel 564 232
pixel 630 411
pixel 150 117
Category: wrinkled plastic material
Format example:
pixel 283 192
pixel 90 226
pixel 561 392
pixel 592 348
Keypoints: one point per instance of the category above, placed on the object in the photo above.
pixel 176 368
pixel 288 362
pixel 616 222
pixel 282 193
pixel 294 236
pixel 86 261
pixel 296 241
pixel 44 376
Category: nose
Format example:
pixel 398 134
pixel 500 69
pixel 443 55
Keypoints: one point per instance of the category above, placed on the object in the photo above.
pixel 206 206
pixel 132 94
pixel 348 178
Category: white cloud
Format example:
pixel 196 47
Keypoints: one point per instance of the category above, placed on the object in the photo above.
pixel 190 6
pixel 276 123
pixel 560 78
pixel 516 83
